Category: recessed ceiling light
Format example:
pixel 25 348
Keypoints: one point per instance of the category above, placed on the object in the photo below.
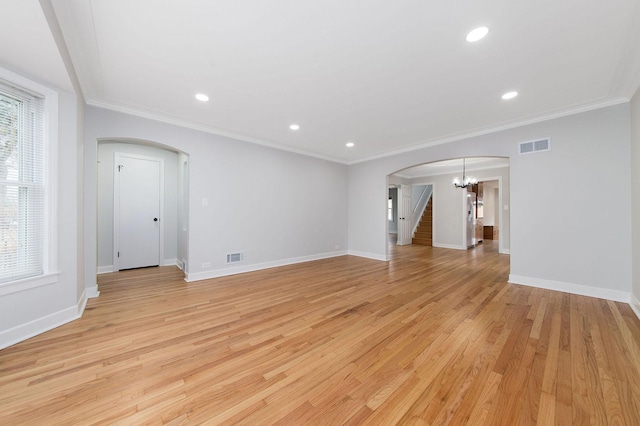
pixel 202 97
pixel 350 144
pixel 509 95
pixel 294 127
pixel 477 34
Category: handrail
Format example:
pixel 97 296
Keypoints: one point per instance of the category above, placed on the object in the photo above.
pixel 427 187
pixel 420 207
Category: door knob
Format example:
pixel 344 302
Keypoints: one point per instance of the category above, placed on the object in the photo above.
pixel 155 219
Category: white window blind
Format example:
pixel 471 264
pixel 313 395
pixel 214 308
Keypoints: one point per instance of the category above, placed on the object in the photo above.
pixel 22 193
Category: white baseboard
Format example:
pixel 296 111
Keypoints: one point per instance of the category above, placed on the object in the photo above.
pixel 197 276
pixel 82 303
pixel 180 264
pixel 504 251
pixel 109 268
pixel 105 269
pixel 92 292
pixel 583 290
pixel 382 257
pixel 635 305
pixel 38 326
pixel 449 246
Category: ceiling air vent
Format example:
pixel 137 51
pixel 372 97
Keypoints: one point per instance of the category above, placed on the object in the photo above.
pixel 538 145
pixel 235 257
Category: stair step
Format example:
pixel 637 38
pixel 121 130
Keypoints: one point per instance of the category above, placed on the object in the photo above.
pixel 423 234
pixel 422 241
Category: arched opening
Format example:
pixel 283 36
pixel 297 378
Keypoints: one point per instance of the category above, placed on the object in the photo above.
pixel 173 188
pixel 456 216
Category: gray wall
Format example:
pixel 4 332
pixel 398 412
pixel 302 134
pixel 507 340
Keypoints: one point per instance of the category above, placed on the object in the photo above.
pixel 550 243
pixel 106 150
pixel 275 206
pixel 635 197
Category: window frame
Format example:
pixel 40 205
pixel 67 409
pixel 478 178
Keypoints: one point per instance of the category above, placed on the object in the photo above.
pixel 50 271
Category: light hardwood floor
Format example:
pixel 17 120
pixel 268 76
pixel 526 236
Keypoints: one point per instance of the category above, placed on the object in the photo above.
pixel 435 336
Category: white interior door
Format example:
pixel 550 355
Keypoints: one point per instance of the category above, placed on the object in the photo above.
pixel 404 215
pixel 138 195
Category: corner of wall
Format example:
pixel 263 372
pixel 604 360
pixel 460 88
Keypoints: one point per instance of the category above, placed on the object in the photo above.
pixel 40 325
pixel 635 305
pixel 635 202
pixel 579 289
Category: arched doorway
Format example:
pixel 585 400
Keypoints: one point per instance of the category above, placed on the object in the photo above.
pixel 449 204
pixel 173 221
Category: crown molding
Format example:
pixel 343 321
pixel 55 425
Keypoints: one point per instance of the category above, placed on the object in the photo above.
pixel 208 129
pixel 603 103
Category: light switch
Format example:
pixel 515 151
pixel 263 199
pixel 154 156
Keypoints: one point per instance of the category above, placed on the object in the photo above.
pixel 205 202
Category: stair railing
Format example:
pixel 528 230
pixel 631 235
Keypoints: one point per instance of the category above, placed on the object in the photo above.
pixel 418 211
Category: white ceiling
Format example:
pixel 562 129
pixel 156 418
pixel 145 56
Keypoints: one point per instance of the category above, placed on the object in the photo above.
pixel 387 75
pixel 27 46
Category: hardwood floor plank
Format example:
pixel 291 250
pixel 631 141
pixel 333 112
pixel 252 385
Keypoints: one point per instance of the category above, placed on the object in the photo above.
pixel 434 336
pixel 564 390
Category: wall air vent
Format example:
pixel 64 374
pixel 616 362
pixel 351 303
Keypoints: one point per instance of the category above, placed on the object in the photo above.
pixel 537 145
pixel 235 257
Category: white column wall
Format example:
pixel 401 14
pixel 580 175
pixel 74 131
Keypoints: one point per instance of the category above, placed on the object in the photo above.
pixel 635 199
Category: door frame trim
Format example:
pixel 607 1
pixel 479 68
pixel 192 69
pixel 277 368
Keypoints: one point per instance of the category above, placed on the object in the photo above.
pixel 116 205
pixel 500 212
pixel 403 190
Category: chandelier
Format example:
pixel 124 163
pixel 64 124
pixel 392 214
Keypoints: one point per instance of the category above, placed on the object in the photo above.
pixel 466 180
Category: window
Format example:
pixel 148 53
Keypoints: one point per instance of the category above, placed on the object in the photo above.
pixel 390 209
pixel 22 184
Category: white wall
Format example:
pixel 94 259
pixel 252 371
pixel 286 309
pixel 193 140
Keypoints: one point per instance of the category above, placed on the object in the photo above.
pixel 550 242
pixel 183 210
pixel 31 311
pixel 106 150
pixel 393 225
pixel 449 207
pixel 275 206
pixel 490 200
pixel 635 198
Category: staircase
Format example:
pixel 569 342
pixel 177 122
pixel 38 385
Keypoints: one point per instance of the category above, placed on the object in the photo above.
pixel 424 231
